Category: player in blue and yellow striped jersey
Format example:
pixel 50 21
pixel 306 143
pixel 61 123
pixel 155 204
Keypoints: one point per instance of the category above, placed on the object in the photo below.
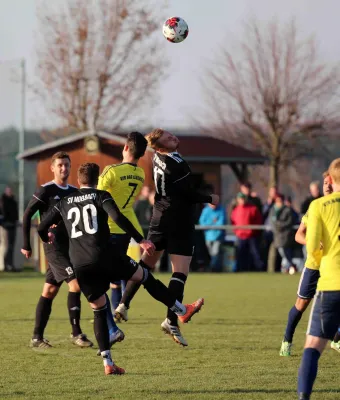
pixel 124 182
pixel 323 227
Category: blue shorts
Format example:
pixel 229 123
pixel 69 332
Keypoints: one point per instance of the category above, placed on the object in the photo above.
pixel 324 318
pixel 308 282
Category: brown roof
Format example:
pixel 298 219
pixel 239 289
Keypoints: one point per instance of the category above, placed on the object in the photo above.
pixel 193 148
pixel 216 150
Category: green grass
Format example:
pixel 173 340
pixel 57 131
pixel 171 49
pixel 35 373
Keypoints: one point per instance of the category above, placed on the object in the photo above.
pixel 233 346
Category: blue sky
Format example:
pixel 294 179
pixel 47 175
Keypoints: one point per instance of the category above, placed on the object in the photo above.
pixel 211 23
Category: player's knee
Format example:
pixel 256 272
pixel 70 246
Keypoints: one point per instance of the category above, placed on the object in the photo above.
pixel 50 291
pixel 73 286
pixel 99 303
pixel 302 304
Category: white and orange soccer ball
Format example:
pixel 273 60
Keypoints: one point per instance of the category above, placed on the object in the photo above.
pixel 175 29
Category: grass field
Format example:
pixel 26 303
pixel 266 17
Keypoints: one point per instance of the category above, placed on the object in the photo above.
pixel 233 346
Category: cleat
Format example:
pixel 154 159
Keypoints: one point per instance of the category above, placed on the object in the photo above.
pixel 121 313
pixel 286 348
pixel 116 337
pixel 173 331
pixel 40 343
pixel 81 340
pixel 335 346
pixel 114 370
pixel 192 309
pixel 304 396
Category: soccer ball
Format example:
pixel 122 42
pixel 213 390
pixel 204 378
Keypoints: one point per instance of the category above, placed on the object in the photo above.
pixel 175 29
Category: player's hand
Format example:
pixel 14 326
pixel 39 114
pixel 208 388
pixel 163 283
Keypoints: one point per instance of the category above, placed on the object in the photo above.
pixel 148 247
pixel 26 253
pixel 215 199
pixel 53 226
pixel 51 237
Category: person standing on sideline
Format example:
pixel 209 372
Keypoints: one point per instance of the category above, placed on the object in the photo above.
pixel 9 211
pixel 314 189
pixel 247 251
pixel 214 215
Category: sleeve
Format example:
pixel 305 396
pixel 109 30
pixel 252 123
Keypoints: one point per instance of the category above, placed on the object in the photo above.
pixel 107 179
pixel 203 218
pixel 109 205
pixel 183 187
pixel 314 237
pixel 221 217
pixel 52 217
pixel 304 219
pixel 37 203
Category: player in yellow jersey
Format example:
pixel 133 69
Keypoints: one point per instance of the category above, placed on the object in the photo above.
pixel 307 285
pixel 124 182
pixel 323 227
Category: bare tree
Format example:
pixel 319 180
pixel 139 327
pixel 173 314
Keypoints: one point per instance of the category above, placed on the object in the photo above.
pixel 98 61
pixel 273 95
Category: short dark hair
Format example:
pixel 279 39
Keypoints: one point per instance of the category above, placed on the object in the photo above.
pixel 137 144
pixel 60 154
pixel 88 174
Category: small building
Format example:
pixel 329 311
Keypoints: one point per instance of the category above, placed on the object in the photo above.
pixel 205 155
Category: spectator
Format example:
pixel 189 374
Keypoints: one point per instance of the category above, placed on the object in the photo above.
pixel 143 209
pixel 246 189
pixel 9 211
pixel 282 222
pixel 247 249
pixel 214 216
pixel 289 204
pixel 267 235
pixel 314 189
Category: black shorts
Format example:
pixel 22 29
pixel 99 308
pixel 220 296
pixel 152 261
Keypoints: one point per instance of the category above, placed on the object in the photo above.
pixel 180 242
pixel 59 269
pixel 120 242
pixel 93 280
pixel 308 283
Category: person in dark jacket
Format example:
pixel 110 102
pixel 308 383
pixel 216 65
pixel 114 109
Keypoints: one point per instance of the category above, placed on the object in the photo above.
pixel 282 221
pixel 9 211
pixel 314 189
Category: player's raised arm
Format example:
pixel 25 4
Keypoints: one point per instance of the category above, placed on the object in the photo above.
pixel 314 237
pixel 53 217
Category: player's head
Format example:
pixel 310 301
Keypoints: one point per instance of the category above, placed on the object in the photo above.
pixel 61 166
pixel 88 174
pixel 314 189
pixel 163 141
pixel 334 172
pixel 135 145
pixel 327 186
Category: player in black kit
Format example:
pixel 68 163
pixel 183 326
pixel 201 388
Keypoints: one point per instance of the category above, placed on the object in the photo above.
pixel 59 266
pixel 173 223
pixel 96 262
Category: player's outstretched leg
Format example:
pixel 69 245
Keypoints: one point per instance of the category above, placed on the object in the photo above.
pixel 101 332
pixel 131 288
pixel 74 308
pixel 42 315
pixel 161 293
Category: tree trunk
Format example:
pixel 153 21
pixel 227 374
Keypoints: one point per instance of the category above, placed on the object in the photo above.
pixel 273 174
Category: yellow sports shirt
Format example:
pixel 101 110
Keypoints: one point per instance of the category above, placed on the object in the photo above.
pixel 124 183
pixel 323 226
pixel 304 219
